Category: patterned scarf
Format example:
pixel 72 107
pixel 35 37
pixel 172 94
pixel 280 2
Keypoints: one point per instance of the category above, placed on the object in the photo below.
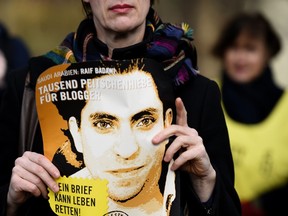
pixel 170 45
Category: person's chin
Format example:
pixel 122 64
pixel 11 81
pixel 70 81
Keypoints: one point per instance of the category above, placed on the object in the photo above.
pixel 124 25
pixel 124 194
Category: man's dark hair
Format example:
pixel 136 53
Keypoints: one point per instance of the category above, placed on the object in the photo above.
pixel 252 24
pixel 163 81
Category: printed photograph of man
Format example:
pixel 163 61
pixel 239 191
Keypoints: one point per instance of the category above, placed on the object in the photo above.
pixel 114 134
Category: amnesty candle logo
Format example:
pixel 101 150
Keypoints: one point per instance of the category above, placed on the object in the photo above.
pixel 98 120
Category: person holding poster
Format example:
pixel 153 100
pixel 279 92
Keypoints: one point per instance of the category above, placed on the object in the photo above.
pixel 198 153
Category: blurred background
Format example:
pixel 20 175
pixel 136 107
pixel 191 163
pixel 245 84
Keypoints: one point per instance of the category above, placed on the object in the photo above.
pixel 43 24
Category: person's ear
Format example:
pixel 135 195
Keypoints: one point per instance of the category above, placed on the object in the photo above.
pixel 168 118
pixel 74 130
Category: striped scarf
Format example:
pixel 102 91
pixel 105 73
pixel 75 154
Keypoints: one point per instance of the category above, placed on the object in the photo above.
pixel 169 44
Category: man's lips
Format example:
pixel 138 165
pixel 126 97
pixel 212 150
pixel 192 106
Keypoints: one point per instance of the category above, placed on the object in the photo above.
pixel 125 170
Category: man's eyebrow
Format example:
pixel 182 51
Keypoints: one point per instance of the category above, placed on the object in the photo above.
pixel 149 111
pixel 103 115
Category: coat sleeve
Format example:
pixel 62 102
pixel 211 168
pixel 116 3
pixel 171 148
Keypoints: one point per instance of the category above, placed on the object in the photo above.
pixel 203 104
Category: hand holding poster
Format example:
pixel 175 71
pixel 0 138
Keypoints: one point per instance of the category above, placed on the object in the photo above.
pixel 98 120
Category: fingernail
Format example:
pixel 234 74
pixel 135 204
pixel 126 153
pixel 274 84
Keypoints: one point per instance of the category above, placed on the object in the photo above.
pixel 166 159
pixel 55 188
pixel 56 174
pixel 173 168
pixel 154 140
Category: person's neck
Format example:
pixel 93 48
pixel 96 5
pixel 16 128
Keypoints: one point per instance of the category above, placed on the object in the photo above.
pixel 115 40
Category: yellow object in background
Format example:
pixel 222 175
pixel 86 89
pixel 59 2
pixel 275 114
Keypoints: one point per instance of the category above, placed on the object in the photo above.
pixel 260 152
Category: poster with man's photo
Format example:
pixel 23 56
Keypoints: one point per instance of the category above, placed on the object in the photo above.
pixel 98 120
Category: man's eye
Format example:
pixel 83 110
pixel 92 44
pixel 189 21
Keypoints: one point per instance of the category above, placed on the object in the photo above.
pixel 145 122
pixel 102 125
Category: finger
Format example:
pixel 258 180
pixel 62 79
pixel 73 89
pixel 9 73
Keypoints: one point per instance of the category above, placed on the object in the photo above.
pixel 185 156
pixel 181 118
pixel 41 167
pixel 20 185
pixel 181 142
pixel 174 130
pixel 31 178
pixel 43 162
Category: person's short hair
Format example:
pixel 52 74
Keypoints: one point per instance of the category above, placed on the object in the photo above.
pixel 88 10
pixel 255 25
pixel 163 82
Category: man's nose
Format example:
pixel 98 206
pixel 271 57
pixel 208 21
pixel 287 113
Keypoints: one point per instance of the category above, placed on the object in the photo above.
pixel 126 146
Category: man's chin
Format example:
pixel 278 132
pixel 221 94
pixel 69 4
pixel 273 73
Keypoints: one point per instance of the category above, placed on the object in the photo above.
pixel 124 194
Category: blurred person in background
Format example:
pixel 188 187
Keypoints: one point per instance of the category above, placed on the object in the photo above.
pixel 13 54
pixel 256 111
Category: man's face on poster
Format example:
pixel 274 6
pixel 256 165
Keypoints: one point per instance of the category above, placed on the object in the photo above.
pixel 116 134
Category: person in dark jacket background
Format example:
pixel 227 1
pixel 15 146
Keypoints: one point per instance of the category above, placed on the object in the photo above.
pixel 13 54
pixel 119 30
